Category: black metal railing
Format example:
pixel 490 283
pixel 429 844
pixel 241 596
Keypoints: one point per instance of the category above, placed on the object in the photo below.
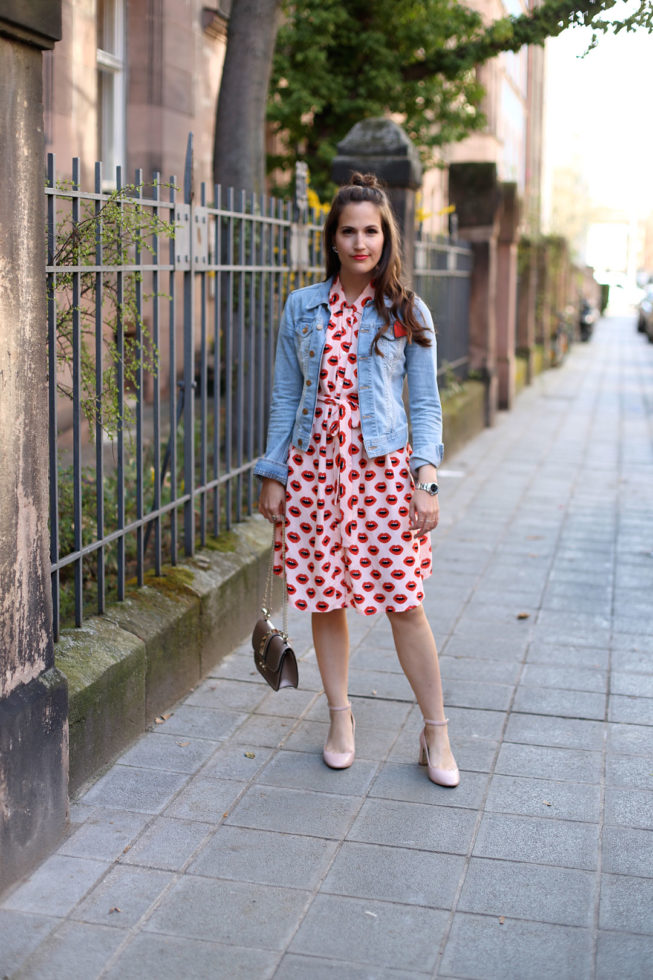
pixel 442 278
pixel 162 318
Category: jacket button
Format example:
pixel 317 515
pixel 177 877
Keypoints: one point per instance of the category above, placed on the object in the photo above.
pixel 300 442
pixel 309 383
pixel 305 330
pixel 304 411
pixel 311 353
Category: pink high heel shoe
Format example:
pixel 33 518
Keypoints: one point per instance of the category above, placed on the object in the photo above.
pixel 340 760
pixel 443 777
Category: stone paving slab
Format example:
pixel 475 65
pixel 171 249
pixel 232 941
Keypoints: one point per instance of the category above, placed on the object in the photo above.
pixel 75 950
pixel 483 946
pixel 233 852
pixel 529 891
pixel 172 957
pixel 387 934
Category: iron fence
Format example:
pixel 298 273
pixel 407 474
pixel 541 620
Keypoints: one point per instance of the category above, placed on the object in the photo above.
pixel 162 318
pixel 162 315
pixel 442 277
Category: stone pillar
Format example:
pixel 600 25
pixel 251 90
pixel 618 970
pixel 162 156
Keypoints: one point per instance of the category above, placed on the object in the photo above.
pixel 33 695
pixel 381 147
pixel 476 194
pixel 526 293
pixel 506 295
pixel 543 308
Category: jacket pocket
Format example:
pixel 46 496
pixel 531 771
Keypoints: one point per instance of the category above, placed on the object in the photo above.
pixel 391 347
pixel 304 340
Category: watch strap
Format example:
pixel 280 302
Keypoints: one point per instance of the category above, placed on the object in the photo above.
pixel 431 488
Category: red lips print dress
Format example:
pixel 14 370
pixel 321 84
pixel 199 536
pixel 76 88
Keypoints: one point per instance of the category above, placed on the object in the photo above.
pixel 348 540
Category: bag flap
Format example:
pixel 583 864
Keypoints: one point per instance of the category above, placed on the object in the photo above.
pixel 274 650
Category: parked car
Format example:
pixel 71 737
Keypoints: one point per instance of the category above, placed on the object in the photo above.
pixel 645 312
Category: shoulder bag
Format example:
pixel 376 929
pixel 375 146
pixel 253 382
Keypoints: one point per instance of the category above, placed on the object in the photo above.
pixel 274 658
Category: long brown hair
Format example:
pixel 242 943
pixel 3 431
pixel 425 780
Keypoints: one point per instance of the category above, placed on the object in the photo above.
pixel 387 274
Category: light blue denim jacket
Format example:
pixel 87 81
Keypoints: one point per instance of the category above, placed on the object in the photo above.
pixel 384 425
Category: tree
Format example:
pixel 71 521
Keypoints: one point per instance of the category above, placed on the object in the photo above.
pixel 338 61
pixel 239 142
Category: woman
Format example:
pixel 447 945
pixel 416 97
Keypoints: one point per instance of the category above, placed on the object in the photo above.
pixel 338 465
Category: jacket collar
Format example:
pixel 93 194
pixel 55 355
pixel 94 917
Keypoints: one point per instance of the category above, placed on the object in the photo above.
pixel 318 294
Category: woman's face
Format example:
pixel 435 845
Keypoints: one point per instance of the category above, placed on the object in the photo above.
pixel 359 239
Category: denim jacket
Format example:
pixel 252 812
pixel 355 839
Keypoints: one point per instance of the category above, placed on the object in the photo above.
pixel 384 424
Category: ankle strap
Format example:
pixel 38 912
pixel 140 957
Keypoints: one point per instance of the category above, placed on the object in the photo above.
pixel 345 707
pixel 427 721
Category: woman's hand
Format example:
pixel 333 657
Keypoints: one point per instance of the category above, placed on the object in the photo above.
pixel 272 500
pixel 424 512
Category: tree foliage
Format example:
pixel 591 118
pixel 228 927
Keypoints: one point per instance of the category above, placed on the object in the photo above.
pixel 511 33
pixel 339 61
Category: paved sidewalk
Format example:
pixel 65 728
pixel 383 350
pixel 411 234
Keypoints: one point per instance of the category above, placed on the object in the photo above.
pixel 220 846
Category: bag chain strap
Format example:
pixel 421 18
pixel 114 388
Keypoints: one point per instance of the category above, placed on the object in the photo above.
pixel 266 608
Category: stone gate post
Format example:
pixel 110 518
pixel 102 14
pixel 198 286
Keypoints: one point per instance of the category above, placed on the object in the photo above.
pixel 381 147
pixel 33 694
pixel 506 297
pixel 526 305
pixel 475 191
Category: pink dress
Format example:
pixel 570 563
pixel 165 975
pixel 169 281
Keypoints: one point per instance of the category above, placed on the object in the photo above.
pixel 348 539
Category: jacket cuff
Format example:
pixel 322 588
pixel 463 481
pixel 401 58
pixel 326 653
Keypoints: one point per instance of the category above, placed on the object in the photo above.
pixel 274 471
pixel 431 454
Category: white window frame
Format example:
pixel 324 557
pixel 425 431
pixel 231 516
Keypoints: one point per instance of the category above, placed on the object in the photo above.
pixel 111 100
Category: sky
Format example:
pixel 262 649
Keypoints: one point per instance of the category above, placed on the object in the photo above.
pixel 599 115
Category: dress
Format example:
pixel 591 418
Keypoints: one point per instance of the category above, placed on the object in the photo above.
pixel 348 539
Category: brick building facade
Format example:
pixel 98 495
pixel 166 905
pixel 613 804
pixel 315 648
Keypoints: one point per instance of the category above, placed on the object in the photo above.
pixel 129 80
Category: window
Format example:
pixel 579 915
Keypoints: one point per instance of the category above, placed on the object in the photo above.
pixel 111 86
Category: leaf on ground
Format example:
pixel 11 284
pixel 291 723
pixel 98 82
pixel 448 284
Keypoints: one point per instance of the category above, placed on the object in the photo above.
pixel 114 909
pixel 546 803
pixel 523 615
pixel 502 919
pixel 159 720
pixel 249 755
pixel 182 745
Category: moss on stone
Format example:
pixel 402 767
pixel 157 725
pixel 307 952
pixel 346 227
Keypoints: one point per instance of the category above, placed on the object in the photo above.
pixel 463 415
pixel 540 359
pixel 521 371
pixel 173 580
pixel 227 541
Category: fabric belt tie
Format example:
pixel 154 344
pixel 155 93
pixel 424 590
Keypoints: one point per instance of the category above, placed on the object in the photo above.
pixel 340 425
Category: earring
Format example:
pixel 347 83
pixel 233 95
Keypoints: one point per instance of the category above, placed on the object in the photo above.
pixel 334 249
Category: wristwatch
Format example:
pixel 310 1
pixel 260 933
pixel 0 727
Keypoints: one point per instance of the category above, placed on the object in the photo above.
pixel 431 488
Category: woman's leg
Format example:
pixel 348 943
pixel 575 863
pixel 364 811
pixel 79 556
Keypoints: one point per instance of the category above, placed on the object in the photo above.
pixel 418 657
pixel 331 640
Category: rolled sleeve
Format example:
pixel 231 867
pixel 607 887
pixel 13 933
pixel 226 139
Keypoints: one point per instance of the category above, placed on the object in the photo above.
pixel 286 396
pixel 424 396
